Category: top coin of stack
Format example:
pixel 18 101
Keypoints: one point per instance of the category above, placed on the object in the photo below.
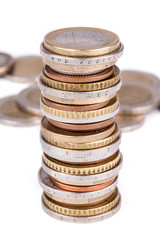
pixel 79 136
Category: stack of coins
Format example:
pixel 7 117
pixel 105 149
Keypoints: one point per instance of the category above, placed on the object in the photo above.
pixel 79 136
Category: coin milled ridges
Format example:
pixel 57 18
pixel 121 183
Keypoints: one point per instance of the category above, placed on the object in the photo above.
pixel 81 115
pixel 109 82
pixel 83 169
pixel 82 211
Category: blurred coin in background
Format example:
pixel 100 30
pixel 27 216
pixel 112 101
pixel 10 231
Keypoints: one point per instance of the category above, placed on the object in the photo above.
pixel 26 69
pixel 29 100
pixel 6 62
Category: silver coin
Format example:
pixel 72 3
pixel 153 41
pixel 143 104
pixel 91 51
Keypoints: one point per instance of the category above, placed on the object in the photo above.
pixel 48 187
pixel 96 218
pixel 11 115
pixel 29 100
pixel 129 123
pixel 86 180
pixel 68 155
pixel 81 61
pixel 140 92
pixel 79 95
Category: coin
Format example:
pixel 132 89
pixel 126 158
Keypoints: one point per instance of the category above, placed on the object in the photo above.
pixel 82 169
pixel 6 62
pixel 129 123
pixel 97 209
pixel 81 42
pixel 72 188
pixel 78 78
pixel 83 197
pixel 80 66
pixel 11 115
pixel 83 127
pixel 85 219
pixel 85 87
pixel 139 93
pixel 29 100
pixel 26 69
pixel 76 108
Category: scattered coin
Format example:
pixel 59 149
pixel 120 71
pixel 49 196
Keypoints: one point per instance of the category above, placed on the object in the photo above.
pixel 6 62
pixel 26 69
pixel 11 115
pixel 139 93
pixel 29 100
pixel 129 123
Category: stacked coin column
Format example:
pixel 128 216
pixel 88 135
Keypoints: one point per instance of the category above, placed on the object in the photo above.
pixel 79 136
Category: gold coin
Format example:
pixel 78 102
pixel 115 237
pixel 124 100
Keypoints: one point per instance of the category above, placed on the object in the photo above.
pixel 26 69
pixel 83 211
pixel 81 41
pixel 85 87
pixel 11 115
pixel 112 106
pixel 129 123
pixel 81 170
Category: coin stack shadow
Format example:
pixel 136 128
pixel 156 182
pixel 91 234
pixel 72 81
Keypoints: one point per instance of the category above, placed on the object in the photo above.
pixel 79 136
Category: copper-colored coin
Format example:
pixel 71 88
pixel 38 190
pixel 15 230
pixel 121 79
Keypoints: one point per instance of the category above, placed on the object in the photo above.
pixel 83 127
pixel 72 188
pixel 76 108
pixel 6 62
pixel 78 78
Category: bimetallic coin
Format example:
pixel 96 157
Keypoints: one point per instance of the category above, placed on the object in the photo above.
pixel 81 41
pixel 92 219
pixel 26 69
pixel 6 62
pixel 83 127
pixel 78 98
pixel 109 111
pixel 80 66
pixel 139 93
pixel 129 123
pixel 85 87
pixel 10 114
pixel 29 100
pixel 79 156
pixel 83 169
pixel 73 197
pixel 78 78
pixel 82 211
pixel 84 180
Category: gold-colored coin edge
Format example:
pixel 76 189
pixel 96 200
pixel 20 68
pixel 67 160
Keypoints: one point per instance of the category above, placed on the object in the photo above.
pixel 85 87
pixel 83 169
pixel 81 115
pixel 98 209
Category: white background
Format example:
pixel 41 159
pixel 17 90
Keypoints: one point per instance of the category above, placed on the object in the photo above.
pixel 23 24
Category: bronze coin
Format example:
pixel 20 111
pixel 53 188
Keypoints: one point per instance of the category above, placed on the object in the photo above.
pixel 78 78
pixel 83 127
pixel 72 188
pixel 76 108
